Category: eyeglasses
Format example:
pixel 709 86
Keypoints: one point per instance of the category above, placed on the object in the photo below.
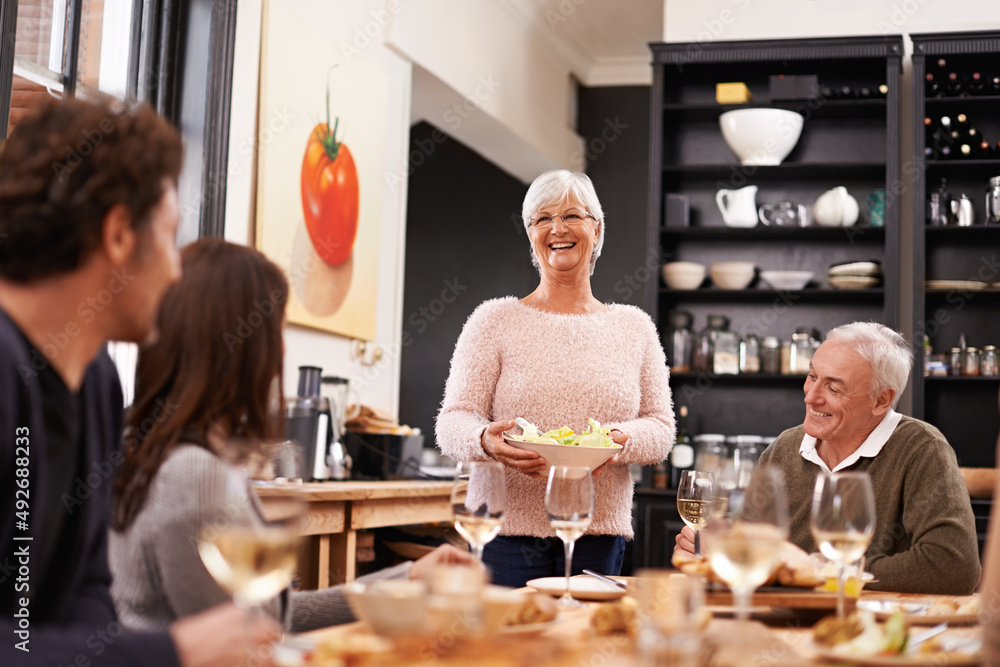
pixel 572 218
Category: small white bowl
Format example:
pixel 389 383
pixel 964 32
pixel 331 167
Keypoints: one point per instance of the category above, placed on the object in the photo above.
pixel 761 136
pixel 393 607
pixel 566 455
pixel 683 275
pixel 786 280
pixel 732 275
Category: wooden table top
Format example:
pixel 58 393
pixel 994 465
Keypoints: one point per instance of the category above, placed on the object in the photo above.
pixel 369 490
pixel 570 641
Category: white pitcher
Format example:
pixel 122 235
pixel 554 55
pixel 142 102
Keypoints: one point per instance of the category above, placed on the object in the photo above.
pixel 835 208
pixel 739 207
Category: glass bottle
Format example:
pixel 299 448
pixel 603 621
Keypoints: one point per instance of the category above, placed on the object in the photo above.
pixel 955 361
pixel 679 341
pixel 970 361
pixel 711 451
pixel 989 365
pixel 726 353
pixel 801 351
pixel 750 354
pixel 770 355
pixel 682 453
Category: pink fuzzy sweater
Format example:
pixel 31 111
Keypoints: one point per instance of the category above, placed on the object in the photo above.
pixel 555 370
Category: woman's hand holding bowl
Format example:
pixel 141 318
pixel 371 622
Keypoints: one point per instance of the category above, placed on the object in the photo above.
pixel 522 460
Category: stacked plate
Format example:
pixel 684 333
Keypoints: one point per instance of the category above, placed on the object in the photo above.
pixel 855 275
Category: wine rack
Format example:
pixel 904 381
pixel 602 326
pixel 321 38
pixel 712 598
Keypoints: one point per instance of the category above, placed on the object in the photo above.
pixel 964 408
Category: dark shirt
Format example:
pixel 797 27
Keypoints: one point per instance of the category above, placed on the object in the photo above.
pixel 59 528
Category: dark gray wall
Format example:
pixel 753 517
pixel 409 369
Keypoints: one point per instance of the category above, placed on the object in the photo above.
pixel 465 242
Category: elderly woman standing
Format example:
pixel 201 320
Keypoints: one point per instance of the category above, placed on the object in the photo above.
pixel 558 357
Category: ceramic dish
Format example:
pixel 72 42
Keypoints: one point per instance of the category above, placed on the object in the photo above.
pixel 964 654
pixel 853 282
pixel 955 284
pixel 566 455
pixel 528 628
pixel 864 268
pixel 915 611
pixel 786 280
pixel 580 587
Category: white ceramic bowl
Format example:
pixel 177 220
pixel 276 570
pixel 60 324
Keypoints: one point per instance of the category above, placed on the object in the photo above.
pixel 732 275
pixel 683 275
pixel 567 455
pixel 786 280
pixel 761 136
pixel 393 608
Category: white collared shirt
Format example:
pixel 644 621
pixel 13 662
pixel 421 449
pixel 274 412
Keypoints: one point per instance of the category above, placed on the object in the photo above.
pixel 870 448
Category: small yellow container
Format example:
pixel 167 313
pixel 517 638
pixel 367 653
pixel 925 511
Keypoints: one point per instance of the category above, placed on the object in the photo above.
pixel 732 93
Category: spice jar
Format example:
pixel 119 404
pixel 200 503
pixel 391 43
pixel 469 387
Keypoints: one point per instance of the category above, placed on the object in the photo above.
pixel 955 361
pixel 702 357
pixel 711 451
pixel 970 361
pixel 726 354
pixel 678 341
pixel 989 364
pixel 801 351
pixel 770 355
pixel 750 354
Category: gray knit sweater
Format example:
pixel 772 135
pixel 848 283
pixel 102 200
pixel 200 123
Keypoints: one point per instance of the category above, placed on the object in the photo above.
pixel 925 532
pixel 158 574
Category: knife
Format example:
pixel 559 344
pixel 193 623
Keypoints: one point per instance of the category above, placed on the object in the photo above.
pixel 607 580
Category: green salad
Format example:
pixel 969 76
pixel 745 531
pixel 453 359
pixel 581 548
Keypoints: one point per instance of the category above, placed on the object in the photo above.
pixel 594 435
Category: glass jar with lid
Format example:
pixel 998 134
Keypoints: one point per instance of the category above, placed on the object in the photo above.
pixel 801 351
pixel 989 365
pixel 702 356
pixel 750 354
pixel 678 340
pixel 955 361
pixel 747 450
pixel 770 355
pixel 970 361
pixel 710 451
pixel 726 353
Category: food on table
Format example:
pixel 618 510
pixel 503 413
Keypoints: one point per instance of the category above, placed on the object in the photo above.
pixel 616 618
pixel 594 435
pixel 952 607
pixel 858 635
pixel 536 608
pixel 794 570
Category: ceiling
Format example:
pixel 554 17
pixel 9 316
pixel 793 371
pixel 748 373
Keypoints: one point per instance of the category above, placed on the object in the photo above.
pixel 604 42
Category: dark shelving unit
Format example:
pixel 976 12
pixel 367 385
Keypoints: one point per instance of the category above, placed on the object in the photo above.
pixel 964 408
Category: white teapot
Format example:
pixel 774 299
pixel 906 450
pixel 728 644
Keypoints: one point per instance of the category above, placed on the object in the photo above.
pixel 738 207
pixel 835 208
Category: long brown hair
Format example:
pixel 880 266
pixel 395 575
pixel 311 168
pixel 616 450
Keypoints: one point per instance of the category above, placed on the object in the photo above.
pixel 218 355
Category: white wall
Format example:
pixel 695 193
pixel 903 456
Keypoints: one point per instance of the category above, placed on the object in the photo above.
pixel 486 79
pixel 378 384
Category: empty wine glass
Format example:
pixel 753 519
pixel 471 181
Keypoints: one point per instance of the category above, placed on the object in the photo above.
pixel 250 546
pixel 569 502
pixel 843 520
pixel 744 543
pixel 695 500
pixel 478 502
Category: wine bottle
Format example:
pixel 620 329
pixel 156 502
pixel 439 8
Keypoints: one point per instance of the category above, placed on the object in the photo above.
pixel 682 454
pixel 976 85
pixel 961 125
pixel 932 88
pixel 984 152
pixel 965 151
pixel 828 93
pixel 864 93
pixel 993 86
pixel 883 90
pixel 953 86
pixel 846 93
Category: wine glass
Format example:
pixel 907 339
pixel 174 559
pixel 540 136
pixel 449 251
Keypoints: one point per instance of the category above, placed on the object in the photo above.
pixel 478 502
pixel 695 499
pixel 569 501
pixel 843 520
pixel 744 542
pixel 249 543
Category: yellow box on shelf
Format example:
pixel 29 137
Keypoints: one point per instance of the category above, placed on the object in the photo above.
pixel 732 93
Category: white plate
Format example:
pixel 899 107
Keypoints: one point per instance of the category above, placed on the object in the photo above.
pixel 566 455
pixel 853 282
pixel 856 269
pixel 787 280
pixel 914 611
pixel 528 628
pixel 581 587
pixel 919 660
pixel 956 284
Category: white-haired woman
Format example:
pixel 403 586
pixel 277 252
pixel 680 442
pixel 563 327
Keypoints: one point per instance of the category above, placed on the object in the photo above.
pixel 558 357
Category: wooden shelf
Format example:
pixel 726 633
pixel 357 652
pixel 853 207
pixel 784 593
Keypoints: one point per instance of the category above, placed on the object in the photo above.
pixel 815 108
pixel 762 232
pixel 746 378
pixel 808 295
pixel 783 172
pixel 960 378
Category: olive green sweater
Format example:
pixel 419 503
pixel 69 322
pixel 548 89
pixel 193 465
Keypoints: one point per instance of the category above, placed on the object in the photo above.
pixel 925 533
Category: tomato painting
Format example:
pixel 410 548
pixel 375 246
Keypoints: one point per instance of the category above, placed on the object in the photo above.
pixel 330 194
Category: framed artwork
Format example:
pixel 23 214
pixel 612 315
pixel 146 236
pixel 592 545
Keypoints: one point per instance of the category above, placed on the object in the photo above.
pixel 321 160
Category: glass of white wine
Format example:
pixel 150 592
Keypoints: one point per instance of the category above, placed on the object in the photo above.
pixel 843 520
pixel 478 502
pixel 695 499
pixel 250 546
pixel 569 502
pixel 744 543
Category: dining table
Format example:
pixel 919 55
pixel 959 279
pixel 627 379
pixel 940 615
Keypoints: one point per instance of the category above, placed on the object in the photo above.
pixel 774 637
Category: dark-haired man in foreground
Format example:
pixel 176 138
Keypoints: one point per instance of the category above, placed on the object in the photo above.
pixel 88 222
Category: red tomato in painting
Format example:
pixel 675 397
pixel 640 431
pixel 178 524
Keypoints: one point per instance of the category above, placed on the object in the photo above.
pixel 330 195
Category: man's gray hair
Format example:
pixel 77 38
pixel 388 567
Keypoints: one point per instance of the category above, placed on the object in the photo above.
pixel 552 188
pixel 885 349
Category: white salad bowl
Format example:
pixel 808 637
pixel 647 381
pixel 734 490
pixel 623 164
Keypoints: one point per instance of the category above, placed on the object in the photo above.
pixel 565 455
pixel 761 136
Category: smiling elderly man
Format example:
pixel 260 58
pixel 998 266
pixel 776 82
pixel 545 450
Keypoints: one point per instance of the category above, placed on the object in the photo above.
pixel 925 534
